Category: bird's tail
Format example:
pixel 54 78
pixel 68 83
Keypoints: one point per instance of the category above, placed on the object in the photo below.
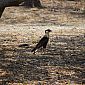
pixel 33 49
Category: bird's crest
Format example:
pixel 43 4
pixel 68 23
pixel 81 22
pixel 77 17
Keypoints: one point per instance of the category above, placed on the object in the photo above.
pixel 48 30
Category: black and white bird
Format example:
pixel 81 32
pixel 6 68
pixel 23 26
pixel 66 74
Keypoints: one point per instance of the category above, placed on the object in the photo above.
pixel 43 42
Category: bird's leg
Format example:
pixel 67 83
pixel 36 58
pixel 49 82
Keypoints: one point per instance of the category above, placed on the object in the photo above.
pixel 44 50
pixel 41 50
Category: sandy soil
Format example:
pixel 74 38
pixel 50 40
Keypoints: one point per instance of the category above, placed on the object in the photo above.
pixel 64 60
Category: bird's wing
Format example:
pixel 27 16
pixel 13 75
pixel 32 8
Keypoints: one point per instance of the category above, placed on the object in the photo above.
pixel 43 41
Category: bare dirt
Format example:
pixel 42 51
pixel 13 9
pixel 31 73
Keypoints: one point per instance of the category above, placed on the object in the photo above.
pixel 63 63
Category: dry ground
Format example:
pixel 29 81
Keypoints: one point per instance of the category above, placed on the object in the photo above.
pixel 64 60
pixel 55 13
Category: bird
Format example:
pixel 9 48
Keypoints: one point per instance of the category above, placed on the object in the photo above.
pixel 43 42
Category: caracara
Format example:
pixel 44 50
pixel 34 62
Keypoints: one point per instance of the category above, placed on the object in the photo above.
pixel 43 42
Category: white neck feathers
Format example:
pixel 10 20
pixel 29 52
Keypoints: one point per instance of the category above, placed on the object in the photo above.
pixel 47 34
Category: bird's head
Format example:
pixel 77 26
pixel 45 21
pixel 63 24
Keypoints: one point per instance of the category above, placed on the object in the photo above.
pixel 48 30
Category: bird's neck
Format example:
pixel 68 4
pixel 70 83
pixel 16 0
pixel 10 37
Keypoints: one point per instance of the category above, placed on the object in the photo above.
pixel 47 34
